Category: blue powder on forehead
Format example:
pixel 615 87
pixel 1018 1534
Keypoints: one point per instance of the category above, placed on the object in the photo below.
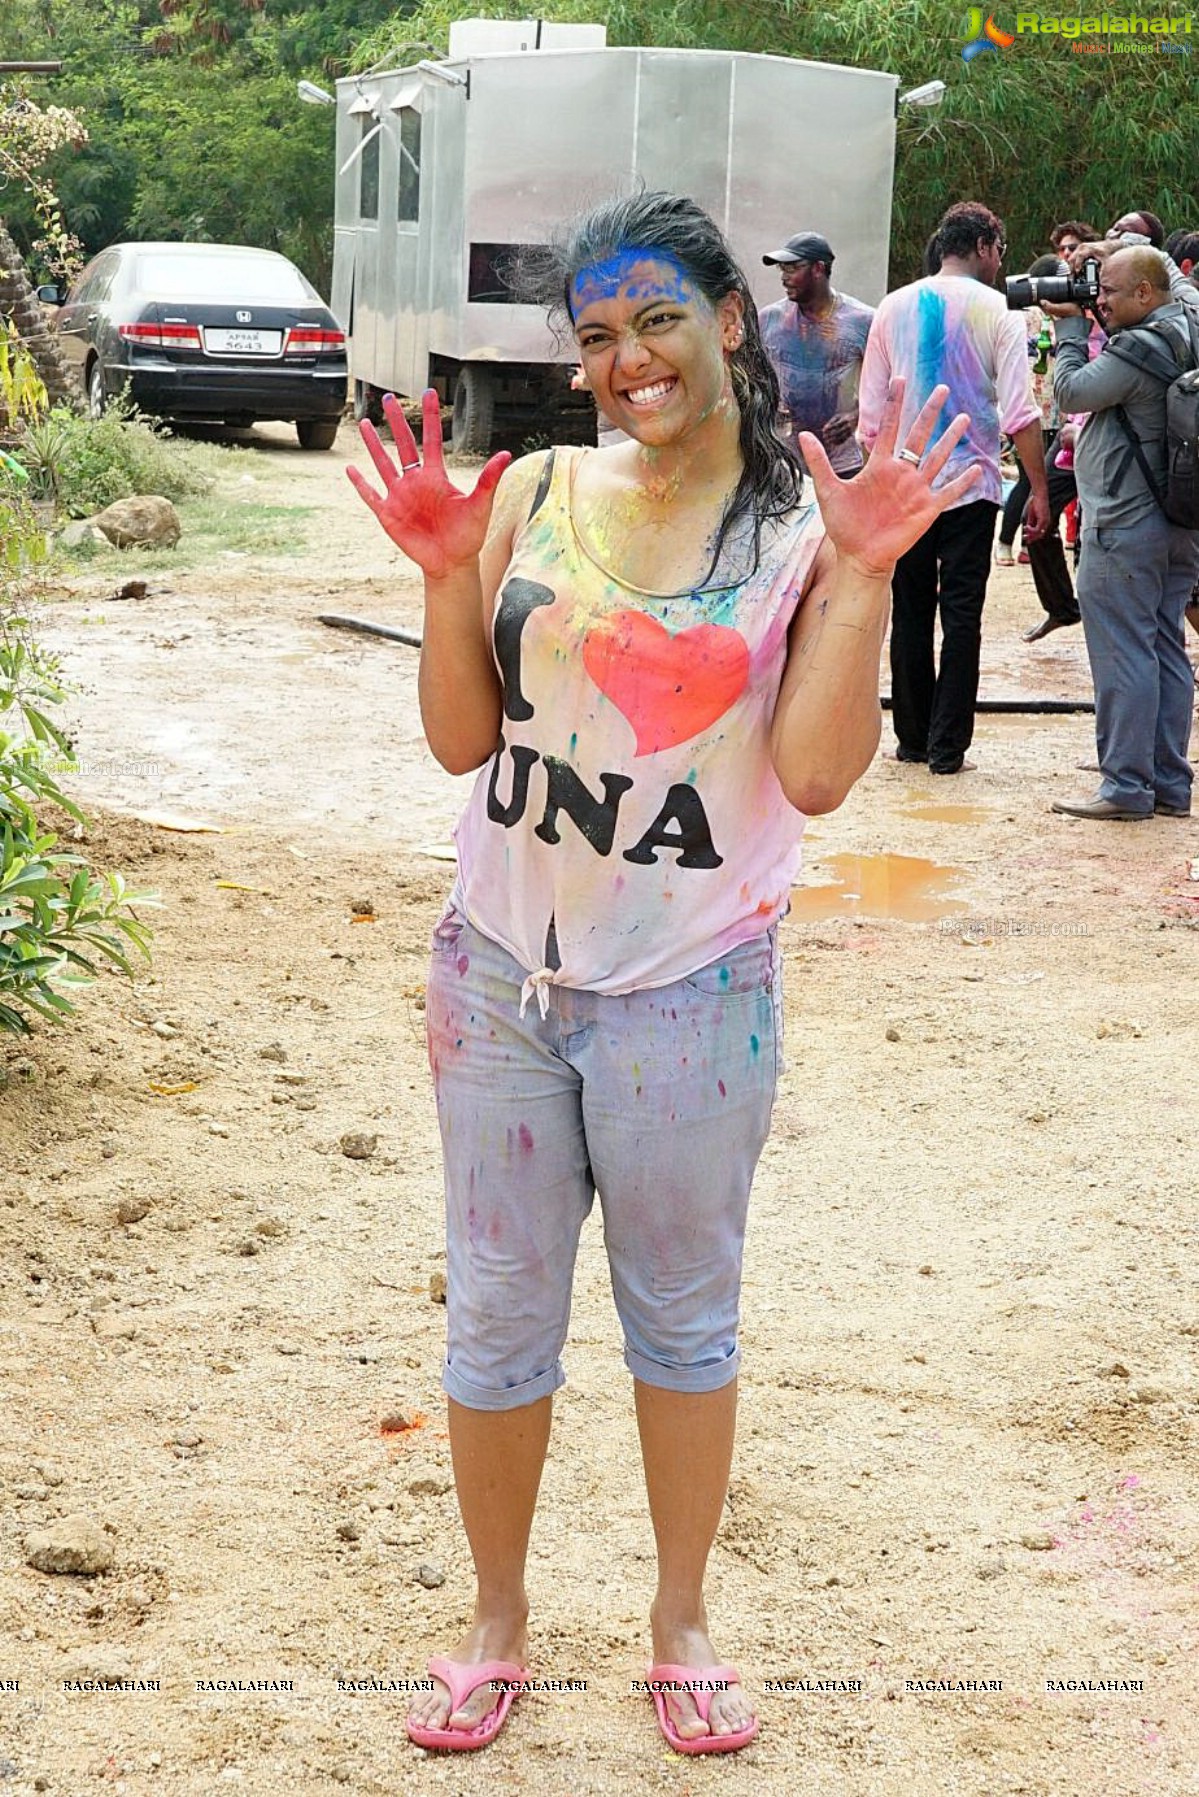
pixel 613 275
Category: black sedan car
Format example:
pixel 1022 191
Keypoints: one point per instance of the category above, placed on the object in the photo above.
pixel 206 331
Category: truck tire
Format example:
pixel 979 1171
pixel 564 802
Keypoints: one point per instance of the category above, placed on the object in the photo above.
pixel 316 433
pixel 474 410
pixel 368 403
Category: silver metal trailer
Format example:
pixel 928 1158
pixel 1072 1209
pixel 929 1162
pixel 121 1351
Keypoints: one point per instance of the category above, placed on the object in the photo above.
pixel 446 167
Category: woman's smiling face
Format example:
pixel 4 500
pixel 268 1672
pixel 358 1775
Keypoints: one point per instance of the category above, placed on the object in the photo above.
pixel 653 347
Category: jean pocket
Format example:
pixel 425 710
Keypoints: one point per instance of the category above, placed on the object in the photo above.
pixel 447 931
pixel 747 969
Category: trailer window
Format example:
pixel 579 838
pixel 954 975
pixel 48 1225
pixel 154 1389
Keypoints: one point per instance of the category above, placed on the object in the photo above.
pixel 368 169
pixel 408 199
pixel 492 273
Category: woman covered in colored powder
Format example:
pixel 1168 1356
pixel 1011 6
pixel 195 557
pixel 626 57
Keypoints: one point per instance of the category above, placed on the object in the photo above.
pixel 659 658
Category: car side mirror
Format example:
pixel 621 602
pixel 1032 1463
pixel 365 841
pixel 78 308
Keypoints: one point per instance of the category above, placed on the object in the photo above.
pixel 50 295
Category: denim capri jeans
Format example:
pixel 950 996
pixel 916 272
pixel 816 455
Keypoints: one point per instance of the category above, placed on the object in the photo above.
pixel 659 1100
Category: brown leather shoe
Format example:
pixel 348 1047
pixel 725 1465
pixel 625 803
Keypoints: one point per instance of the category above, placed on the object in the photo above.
pixel 1098 808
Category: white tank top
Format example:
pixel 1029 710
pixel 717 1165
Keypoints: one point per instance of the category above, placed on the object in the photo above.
pixel 630 827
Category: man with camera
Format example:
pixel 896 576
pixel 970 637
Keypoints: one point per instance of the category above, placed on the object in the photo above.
pixel 1138 568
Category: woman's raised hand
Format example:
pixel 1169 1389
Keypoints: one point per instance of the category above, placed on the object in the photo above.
pixel 873 518
pixel 422 511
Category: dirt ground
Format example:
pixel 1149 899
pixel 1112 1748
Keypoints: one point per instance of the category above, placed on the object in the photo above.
pixel 967 1448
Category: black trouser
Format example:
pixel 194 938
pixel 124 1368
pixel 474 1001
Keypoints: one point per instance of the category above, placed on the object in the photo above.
pixel 1017 499
pixel 945 569
pixel 1047 558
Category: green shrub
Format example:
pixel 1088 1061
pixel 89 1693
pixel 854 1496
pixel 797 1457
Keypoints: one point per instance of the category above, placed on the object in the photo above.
pixel 84 464
pixel 59 920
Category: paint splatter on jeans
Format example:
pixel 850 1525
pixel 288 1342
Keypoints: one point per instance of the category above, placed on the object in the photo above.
pixel 659 1099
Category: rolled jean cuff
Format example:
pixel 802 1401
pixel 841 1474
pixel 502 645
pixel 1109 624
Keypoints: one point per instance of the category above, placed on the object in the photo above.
pixel 710 1375
pixel 509 1397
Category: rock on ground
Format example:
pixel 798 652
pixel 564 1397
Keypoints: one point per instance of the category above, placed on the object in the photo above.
pixel 71 1544
pixel 146 521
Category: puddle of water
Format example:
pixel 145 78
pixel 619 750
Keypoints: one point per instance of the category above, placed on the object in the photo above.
pixel 949 814
pixel 905 887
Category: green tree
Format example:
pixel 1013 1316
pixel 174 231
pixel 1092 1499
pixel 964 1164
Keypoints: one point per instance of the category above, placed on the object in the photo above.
pixel 194 128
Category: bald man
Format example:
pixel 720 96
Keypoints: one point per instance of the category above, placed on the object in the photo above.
pixel 1138 569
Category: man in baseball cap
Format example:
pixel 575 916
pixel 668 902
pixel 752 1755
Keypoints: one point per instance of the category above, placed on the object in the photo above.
pixel 809 246
pixel 816 338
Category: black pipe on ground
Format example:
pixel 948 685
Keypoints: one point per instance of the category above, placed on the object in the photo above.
pixel 365 628
pixel 1027 707
pixel 1016 707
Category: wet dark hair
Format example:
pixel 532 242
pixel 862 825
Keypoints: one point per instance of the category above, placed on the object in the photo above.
pixel 1183 246
pixel 1073 227
pixel 962 226
pixel 668 225
pixel 930 262
pixel 1044 265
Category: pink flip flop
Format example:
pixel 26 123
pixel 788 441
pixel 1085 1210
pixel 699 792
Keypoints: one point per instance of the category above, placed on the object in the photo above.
pixel 691 1675
pixel 463 1681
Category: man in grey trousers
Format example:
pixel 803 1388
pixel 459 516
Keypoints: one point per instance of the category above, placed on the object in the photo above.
pixel 1137 569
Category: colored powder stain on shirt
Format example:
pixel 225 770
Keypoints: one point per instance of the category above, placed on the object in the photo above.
pixel 724 976
pixel 574 741
pixel 524 1136
pixel 818 361
pixel 721 1089
pixel 463 965
pixel 931 347
pixel 755 1047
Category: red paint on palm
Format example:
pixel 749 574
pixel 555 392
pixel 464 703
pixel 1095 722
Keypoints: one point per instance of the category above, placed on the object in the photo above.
pixel 435 524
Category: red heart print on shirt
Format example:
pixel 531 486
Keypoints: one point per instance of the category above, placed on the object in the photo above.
pixel 668 687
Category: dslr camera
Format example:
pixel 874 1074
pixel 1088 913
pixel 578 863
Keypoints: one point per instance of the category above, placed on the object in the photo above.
pixel 1062 289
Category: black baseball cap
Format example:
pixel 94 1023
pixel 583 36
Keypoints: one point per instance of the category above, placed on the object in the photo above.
pixel 809 246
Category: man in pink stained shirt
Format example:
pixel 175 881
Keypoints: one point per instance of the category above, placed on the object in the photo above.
pixel 953 327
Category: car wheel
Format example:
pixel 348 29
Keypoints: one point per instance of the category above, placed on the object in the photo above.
pixel 368 403
pixel 474 410
pixel 316 433
pixel 96 397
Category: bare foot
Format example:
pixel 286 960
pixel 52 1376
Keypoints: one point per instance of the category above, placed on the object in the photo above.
pixel 1045 626
pixel 501 1639
pixel 691 1645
